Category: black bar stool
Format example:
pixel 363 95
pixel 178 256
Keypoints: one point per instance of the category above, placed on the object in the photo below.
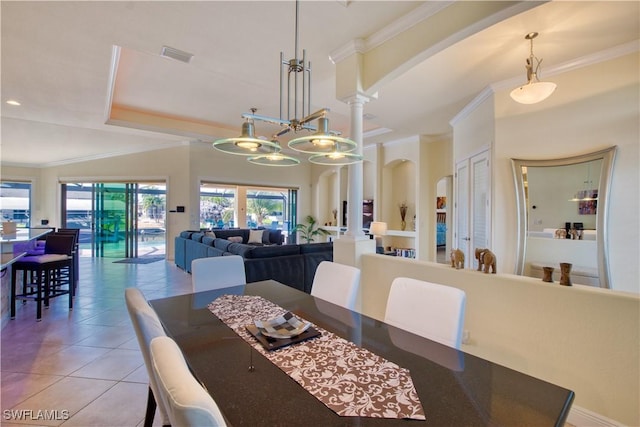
pixel 51 271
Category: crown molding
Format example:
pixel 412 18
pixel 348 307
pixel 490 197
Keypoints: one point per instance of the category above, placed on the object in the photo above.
pixel 573 64
pixel 486 93
pixel 402 24
pixel 97 156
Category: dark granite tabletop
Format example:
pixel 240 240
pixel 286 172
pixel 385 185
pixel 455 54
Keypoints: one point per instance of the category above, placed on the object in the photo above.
pixel 455 388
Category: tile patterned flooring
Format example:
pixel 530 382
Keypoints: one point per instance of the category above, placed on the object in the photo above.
pixel 83 366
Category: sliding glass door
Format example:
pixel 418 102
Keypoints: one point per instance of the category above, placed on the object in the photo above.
pixel 115 225
pixel 116 220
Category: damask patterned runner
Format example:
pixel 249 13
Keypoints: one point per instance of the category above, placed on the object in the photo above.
pixel 350 380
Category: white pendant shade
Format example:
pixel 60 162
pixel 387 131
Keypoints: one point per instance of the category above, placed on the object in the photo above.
pixel 534 90
pixel 532 93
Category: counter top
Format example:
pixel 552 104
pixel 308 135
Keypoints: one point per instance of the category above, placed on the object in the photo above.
pixel 21 236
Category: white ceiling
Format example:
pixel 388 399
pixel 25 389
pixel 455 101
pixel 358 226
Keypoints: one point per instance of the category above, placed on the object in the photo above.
pixel 57 61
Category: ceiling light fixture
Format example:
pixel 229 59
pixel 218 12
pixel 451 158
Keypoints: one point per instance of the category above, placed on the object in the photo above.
pixel 295 75
pixel 247 144
pixel 335 158
pixel 322 141
pixel 275 158
pixel 533 91
pixel 13 102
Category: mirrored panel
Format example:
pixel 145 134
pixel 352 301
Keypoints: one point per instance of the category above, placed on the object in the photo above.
pixel 562 210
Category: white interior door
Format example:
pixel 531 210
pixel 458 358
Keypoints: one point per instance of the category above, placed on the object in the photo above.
pixel 480 206
pixel 473 205
pixel 461 227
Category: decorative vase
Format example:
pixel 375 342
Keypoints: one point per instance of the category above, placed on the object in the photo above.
pixel 547 274
pixel 403 225
pixel 565 273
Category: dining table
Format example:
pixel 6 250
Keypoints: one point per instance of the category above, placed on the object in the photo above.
pixel 245 379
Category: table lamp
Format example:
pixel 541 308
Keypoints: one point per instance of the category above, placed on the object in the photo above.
pixel 378 229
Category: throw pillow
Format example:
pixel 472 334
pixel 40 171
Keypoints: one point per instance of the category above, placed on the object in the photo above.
pixel 265 237
pixel 210 234
pixel 255 236
pixel 235 239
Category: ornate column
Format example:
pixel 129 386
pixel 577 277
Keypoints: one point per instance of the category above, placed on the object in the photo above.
pixel 355 189
pixel 349 247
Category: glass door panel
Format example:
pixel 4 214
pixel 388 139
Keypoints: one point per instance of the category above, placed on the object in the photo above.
pixel 114 215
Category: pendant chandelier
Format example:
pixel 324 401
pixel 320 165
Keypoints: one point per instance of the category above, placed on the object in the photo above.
pixel 295 77
pixel 534 90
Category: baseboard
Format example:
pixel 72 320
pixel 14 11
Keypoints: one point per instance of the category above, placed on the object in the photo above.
pixel 581 417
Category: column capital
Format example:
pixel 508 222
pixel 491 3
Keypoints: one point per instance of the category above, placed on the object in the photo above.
pixel 359 98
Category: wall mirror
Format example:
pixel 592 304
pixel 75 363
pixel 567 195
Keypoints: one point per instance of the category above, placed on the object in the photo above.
pixel 562 216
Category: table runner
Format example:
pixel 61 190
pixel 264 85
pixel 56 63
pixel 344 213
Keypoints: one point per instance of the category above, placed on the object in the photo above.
pixel 350 380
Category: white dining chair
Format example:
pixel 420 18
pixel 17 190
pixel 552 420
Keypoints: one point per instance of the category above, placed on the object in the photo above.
pixel 427 309
pixel 186 400
pixel 336 283
pixel 217 272
pixel 147 327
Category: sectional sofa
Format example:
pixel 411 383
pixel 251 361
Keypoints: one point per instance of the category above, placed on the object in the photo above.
pixel 265 257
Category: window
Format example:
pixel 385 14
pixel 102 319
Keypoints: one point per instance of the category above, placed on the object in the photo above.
pixel 266 208
pixel 15 203
pixel 263 207
pixel 217 206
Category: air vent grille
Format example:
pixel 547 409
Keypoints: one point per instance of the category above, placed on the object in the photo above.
pixel 177 54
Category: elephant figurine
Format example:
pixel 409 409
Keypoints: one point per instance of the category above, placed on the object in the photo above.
pixel 457 259
pixel 486 260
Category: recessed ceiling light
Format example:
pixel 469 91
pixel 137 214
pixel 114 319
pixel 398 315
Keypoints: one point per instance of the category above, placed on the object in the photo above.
pixel 13 102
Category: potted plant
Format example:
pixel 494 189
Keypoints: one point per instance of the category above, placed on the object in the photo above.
pixel 310 230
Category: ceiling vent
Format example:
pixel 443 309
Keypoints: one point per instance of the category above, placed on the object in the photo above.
pixel 178 55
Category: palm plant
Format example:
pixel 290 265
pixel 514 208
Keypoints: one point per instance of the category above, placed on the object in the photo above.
pixel 308 231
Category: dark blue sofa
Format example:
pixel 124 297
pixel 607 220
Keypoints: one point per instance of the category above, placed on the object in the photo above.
pixel 293 265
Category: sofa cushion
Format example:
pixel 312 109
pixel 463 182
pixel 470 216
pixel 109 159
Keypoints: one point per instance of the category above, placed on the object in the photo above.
pixel 197 237
pixel 186 234
pixel 240 249
pixel 221 244
pixel 273 251
pixel 235 239
pixel 266 237
pixel 272 237
pixel 208 240
pixel 256 236
pixel 224 234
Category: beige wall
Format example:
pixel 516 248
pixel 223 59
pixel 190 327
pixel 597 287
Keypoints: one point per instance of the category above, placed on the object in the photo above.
pixel 581 338
pixel 561 126
pixel 183 168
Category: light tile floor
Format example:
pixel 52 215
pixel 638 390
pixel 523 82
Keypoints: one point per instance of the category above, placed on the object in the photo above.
pixel 85 363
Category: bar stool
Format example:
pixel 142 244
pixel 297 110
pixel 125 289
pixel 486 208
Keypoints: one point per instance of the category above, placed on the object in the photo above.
pixel 76 253
pixel 51 271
